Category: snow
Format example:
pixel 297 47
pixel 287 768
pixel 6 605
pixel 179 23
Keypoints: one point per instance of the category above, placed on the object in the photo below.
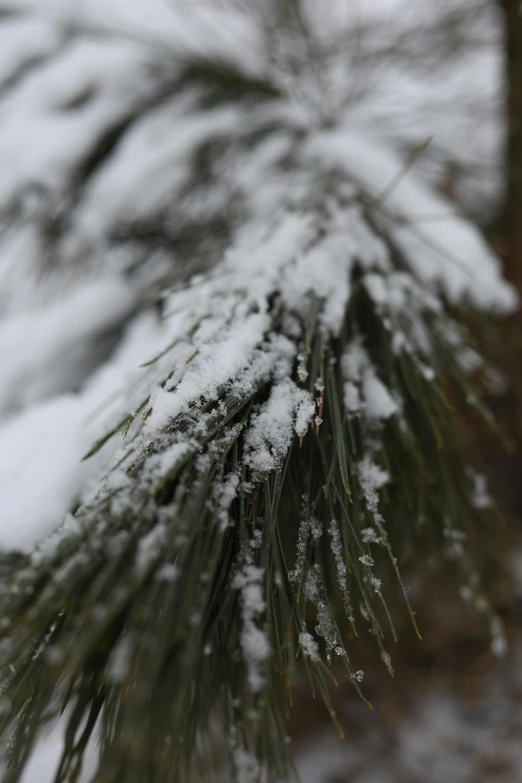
pixel 253 639
pixel 43 763
pixel 151 546
pixel 44 351
pixel 318 271
pixel 25 41
pixel 446 254
pixel 41 142
pixel 372 478
pixel 246 766
pixel 119 663
pixel 168 572
pixel 363 389
pixel 481 498
pixel 216 363
pixel 338 553
pixel 378 401
pixel 41 475
pixel 309 646
pixel 151 165
pixel 227 495
pixel 173 455
pixel 148 168
pixel 34 445
pixel 289 409
pixel 352 400
pixel 326 628
pixel 305 530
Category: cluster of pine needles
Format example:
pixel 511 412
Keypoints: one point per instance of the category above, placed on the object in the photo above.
pixel 158 628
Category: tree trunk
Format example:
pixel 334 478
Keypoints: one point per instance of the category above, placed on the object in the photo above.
pixel 513 202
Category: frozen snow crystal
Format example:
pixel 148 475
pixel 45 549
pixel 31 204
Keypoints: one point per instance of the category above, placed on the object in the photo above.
pixel 372 479
pixel 309 646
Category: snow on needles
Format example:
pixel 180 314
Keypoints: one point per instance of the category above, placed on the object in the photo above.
pixel 253 638
pixel 443 251
pixel 288 410
pixel 363 390
pixel 295 199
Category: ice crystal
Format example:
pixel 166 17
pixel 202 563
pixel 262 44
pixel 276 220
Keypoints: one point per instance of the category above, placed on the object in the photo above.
pixel 481 498
pixel 309 646
pixel 337 550
pixel 372 479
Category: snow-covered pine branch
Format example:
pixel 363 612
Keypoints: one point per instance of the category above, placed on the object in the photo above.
pixel 294 417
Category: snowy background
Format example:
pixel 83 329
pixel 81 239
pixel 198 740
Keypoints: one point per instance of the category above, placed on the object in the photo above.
pixel 91 154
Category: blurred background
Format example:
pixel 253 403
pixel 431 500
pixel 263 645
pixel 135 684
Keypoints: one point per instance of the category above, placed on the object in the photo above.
pixel 90 156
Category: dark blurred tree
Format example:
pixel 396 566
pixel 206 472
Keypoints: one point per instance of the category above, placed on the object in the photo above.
pixel 513 199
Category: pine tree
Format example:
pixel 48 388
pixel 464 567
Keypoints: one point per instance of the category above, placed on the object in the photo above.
pixel 295 429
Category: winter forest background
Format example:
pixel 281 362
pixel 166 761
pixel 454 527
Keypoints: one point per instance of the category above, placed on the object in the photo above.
pixel 181 184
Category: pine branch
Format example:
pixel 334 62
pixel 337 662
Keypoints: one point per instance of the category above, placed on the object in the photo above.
pixel 178 593
pixel 297 434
